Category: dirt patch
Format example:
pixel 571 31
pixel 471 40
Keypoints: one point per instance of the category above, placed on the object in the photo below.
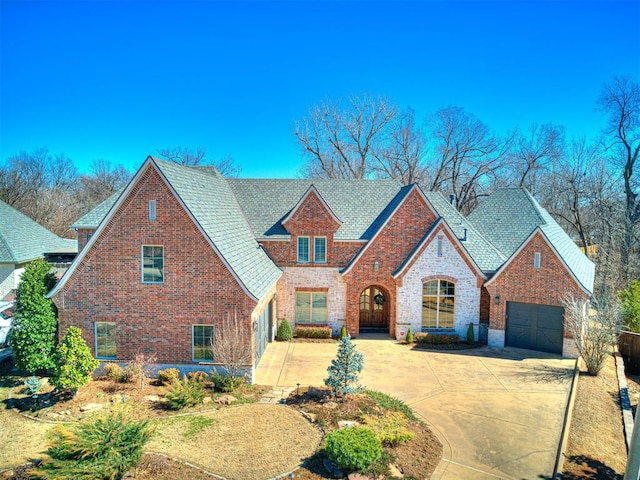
pixel 596 441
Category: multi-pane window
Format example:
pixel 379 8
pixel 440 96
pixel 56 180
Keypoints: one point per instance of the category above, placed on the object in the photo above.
pixel 311 307
pixel 303 249
pixel 320 249
pixel 438 299
pixel 202 343
pixel 152 209
pixel 105 340
pixel 152 264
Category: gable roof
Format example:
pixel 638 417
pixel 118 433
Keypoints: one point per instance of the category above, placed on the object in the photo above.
pixel 93 218
pixel 208 199
pixel 23 240
pixel 267 202
pixel 310 190
pixel 508 219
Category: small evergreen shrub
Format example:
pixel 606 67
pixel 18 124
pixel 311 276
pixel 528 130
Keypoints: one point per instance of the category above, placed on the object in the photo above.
pixel 184 393
pixel 437 338
pixel 130 373
pixel 387 402
pixel 353 448
pixel 168 376
pixel 630 306
pixel 409 338
pixel 113 372
pixel 390 427
pixel 226 384
pixel 102 449
pixel 471 338
pixel 343 332
pixel 74 363
pixel 313 332
pixel 344 369
pixel 198 376
pixel 284 332
pixel 32 385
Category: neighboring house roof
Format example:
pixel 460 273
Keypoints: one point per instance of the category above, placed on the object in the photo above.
pixel 508 218
pixel 356 203
pixel 23 240
pixel 95 216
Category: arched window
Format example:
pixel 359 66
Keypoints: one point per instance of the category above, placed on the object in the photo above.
pixel 438 299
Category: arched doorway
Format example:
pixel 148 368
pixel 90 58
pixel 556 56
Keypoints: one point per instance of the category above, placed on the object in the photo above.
pixel 374 309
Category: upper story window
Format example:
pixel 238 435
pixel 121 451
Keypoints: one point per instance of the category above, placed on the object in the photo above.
pixel 303 249
pixel 536 260
pixel 320 249
pixel 152 209
pixel 438 300
pixel 152 264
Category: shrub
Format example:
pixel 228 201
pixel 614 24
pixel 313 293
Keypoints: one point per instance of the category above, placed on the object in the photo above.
pixel 343 332
pixel 471 339
pixel 313 332
pixel 344 369
pixel 226 384
pixel 387 402
pixel 390 427
pixel 198 376
pixel 130 373
pixel 32 385
pixel 409 338
pixel 113 372
pixel 168 376
pixel 437 338
pixel 353 448
pixel 185 393
pixel 74 363
pixel 630 306
pixel 284 332
pixel 105 448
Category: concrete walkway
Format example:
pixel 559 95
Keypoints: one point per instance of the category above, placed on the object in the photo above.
pixel 497 412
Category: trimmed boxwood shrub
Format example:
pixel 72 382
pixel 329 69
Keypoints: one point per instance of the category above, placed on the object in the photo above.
pixel 313 332
pixel 284 332
pixel 409 338
pixel 437 338
pixel 343 332
pixel 353 448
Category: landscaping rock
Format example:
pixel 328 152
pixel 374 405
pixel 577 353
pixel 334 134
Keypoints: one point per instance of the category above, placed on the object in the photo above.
pixel 334 470
pixel 206 400
pixel 347 423
pixel 226 399
pixel 312 417
pixel 395 471
pixel 330 405
pixel 152 398
pixel 359 476
pixel 90 407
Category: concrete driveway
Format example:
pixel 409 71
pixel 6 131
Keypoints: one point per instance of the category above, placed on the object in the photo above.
pixel 497 412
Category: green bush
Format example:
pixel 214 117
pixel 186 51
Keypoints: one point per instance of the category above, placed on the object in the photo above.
pixel 185 393
pixel 113 372
pixel 437 338
pixel 313 332
pixel 106 448
pixel 284 332
pixel 168 376
pixel 198 376
pixel 226 384
pixel 390 427
pixel 74 363
pixel 471 338
pixel 353 448
pixel 343 332
pixel 630 306
pixel 409 338
pixel 387 402
pixel 32 385
pixel 130 373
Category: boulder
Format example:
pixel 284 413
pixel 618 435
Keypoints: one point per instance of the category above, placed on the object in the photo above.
pixel 347 423
pixel 152 398
pixel 226 399
pixel 90 407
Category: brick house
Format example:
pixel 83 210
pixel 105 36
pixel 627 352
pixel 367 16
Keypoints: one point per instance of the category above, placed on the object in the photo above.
pixel 181 247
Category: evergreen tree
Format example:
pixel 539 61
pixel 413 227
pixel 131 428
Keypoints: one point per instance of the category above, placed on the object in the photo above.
pixel 630 306
pixel 344 369
pixel 74 363
pixel 33 332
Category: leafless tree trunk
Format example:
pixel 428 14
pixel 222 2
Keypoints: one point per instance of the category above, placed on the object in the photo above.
pixel 231 346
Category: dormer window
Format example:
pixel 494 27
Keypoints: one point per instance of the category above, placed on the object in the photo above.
pixel 303 249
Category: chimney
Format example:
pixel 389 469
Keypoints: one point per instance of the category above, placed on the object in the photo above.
pixel 452 199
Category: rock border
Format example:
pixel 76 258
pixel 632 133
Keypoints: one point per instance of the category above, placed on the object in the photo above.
pixel 625 403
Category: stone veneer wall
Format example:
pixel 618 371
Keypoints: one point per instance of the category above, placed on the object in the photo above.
pixel 313 277
pixel 450 266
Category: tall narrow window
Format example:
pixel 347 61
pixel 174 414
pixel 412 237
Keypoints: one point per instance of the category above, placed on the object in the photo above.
pixel 440 246
pixel 152 209
pixel 311 307
pixel 105 340
pixel 303 249
pixel 438 299
pixel 202 343
pixel 320 249
pixel 536 260
pixel 152 264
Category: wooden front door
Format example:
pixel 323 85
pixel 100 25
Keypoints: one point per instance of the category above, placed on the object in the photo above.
pixel 374 308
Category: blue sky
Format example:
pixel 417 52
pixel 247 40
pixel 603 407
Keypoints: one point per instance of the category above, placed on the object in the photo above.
pixel 118 80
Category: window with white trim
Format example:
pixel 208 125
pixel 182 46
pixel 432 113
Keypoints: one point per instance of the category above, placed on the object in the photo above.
pixel 438 300
pixel 152 264
pixel 303 249
pixel 311 307
pixel 320 249
pixel 105 336
pixel 202 343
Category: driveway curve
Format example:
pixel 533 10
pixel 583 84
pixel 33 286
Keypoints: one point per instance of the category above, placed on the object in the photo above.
pixel 497 412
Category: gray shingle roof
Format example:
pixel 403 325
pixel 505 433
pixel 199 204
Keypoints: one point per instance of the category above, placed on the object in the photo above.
pixel 357 203
pixel 210 200
pixel 510 215
pixel 22 239
pixel 95 216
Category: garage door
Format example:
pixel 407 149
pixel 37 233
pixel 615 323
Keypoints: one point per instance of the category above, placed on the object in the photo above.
pixel 263 332
pixel 535 327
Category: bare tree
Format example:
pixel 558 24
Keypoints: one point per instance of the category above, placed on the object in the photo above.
pixel 104 180
pixel 620 101
pixel 594 330
pixel 464 156
pixel 230 345
pixel 341 140
pixel 198 156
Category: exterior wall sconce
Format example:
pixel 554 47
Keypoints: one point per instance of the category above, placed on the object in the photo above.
pixel 376 266
pixel 497 299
